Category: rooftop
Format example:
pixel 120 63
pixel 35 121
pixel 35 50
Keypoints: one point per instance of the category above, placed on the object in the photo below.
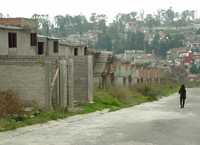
pixel 48 37
pixel 10 27
pixel 70 43
pixel 19 22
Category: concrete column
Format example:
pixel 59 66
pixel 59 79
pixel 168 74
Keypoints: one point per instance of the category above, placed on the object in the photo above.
pixel 63 83
pixel 90 78
pixel 70 82
pixel 48 83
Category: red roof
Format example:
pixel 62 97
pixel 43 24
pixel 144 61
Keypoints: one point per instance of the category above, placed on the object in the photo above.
pixel 19 22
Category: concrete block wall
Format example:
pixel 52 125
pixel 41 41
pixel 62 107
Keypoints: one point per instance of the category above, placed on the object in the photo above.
pixel 83 79
pixel 31 79
pixel 27 78
pixel 66 83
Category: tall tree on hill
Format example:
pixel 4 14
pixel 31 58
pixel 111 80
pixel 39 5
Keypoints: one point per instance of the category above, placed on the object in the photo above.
pixel 169 16
pixel 150 21
pixel 44 24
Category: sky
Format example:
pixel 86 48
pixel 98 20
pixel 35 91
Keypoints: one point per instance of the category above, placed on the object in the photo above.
pixel 26 8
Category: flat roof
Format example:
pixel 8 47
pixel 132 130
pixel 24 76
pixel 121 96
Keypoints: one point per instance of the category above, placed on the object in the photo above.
pixel 10 27
pixel 72 44
pixel 49 37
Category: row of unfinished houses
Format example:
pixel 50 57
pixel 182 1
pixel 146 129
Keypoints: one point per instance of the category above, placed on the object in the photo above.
pixel 44 70
pixel 54 72
pixel 112 71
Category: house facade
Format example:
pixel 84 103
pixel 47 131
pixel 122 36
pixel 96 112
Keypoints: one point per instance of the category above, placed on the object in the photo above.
pixel 16 40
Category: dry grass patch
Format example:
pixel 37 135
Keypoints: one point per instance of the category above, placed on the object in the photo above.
pixel 10 104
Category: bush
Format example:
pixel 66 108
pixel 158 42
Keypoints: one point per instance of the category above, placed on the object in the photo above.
pixel 10 104
pixel 123 94
pixel 106 98
pixel 147 90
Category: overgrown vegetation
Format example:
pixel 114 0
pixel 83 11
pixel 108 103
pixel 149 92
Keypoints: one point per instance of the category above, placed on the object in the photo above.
pixel 112 98
pixel 120 97
pixel 192 84
pixel 10 104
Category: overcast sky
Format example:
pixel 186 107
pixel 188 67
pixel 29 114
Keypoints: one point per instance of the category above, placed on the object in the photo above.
pixel 26 8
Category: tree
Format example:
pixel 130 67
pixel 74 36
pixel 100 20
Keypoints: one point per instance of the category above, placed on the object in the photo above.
pixel 194 69
pixel 150 22
pixel 44 24
pixel 139 40
pixel 1 15
pixel 169 16
pixel 104 42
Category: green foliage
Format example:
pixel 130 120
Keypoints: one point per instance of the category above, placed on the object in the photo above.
pixel 198 32
pixel 104 42
pixel 161 46
pixel 194 69
pixel 116 98
pixel 124 32
pixel 192 84
pixel 14 122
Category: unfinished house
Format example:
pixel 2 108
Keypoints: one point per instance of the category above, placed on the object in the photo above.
pixel 40 70
pixel 125 73
pixel 70 49
pixel 17 37
pixel 82 69
pixel 149 75
pixel 47 46
pixel 103 76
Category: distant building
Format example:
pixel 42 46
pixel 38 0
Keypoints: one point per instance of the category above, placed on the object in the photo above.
pixel 175 55
pixel 137 57
pixel 149 75
pixel 187 58
pixel 125 73
pixel 70 49
pixel 194 44
pixel 103 74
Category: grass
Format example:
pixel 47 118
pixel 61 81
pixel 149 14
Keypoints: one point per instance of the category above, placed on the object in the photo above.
pixel 193 84
pixel 116 98
pixel 9 123
pixel 112 99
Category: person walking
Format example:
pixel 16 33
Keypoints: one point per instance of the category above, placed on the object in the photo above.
pixel 182 92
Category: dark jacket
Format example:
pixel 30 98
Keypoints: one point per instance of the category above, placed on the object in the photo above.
pixel 182 91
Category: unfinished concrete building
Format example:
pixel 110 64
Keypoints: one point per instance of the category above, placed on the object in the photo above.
pixel 18 37
pixel 43 69
pixel 103 75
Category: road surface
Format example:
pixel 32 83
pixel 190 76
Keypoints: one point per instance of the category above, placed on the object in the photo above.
pixel 155 123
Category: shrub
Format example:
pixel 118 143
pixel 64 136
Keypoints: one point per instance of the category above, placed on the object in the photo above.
pixel 143 89
pixel 123 94
pixel 106 98
pixel 10 104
